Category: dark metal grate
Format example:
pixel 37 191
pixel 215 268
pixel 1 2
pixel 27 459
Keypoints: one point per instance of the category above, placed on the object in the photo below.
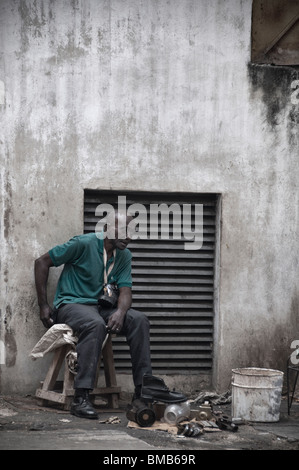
pixel 174 287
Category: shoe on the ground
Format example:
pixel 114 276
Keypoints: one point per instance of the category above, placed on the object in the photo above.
pixel 82 407
pixel 154 389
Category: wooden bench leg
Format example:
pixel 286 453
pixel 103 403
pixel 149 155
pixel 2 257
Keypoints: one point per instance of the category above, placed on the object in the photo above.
pixel 109 369
pixel 54 368
pixel 46 392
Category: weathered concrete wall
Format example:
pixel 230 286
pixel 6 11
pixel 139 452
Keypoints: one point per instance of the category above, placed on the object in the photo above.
pixel 148 95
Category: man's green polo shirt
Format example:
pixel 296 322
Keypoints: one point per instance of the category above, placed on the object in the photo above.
pixel 82 278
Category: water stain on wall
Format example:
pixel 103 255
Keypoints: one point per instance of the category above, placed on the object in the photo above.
pixel 275 85
pixel 9 339
pixel 10 348
pixel 7 209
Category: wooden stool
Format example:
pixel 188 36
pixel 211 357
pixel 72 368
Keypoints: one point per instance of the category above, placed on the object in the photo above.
pixel 49 392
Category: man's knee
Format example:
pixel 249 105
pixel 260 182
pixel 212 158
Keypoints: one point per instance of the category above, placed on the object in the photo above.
pixel 96 325
pixel 137 318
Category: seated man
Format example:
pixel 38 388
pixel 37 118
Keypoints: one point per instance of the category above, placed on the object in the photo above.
pixel 90 261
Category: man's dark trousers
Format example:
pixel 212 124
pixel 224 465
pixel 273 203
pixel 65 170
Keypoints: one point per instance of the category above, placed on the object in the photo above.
pixel 89 325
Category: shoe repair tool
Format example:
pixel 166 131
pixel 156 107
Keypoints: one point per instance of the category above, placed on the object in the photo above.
pixel 205 411
pixel 141 413
pixel 226 424
pixel 191 429
pixel 159 410
pixel 154 389
pixel 177 412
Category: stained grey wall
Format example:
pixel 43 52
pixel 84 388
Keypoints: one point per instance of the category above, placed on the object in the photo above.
pixel 148 95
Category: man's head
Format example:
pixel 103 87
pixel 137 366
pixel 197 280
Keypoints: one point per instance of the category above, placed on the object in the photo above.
pixel 117 229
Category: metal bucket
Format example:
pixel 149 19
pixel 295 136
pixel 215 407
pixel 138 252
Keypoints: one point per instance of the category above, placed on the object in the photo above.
pixel 256 394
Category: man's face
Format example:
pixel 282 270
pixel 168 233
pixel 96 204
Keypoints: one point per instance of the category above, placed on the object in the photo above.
pixel 121 243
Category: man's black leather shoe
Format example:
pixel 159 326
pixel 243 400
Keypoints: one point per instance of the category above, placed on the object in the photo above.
pixel 154 389
pixel 82 406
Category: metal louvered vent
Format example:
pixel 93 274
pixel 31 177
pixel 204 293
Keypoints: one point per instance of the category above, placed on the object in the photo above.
pixel 173 286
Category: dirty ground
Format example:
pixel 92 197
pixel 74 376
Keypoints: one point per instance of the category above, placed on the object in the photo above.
pixel 26 425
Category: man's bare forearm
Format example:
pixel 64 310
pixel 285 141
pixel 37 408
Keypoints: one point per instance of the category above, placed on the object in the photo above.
pixel 124 299
pixel 41 272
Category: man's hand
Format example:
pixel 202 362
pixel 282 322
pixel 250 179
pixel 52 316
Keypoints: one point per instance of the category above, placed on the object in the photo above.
pixel 45 316
pixel 115 322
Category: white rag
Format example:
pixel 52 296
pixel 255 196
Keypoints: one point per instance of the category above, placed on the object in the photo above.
pixel 56 336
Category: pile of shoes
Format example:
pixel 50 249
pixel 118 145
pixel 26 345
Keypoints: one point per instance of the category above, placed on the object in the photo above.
pixel 204 419
pixel 177 410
